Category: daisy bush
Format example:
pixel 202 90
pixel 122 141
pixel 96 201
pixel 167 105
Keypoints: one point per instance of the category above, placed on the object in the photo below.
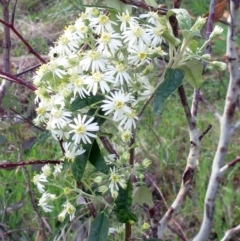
pixel 103 71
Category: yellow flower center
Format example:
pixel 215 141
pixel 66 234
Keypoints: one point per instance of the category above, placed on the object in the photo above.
pixel 114 178
pixel 118 104
pixel 103 19
pixel 142 55
pixel 81 129
pixel 120 67
pixel 93 55
pixel 41 110
pixel 125 17
pixel 56 113
pixel 97 77
pixel 105 38
pixel 137 31
pixel 63 40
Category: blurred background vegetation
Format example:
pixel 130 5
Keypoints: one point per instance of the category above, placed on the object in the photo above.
pixel 166 144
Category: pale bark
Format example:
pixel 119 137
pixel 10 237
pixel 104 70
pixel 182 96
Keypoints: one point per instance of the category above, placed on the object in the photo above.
pixel 6 49
pixel 230 233
pixel 226 125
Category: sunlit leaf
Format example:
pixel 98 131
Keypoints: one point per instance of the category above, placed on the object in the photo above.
pixel 142 195
pixel 193 72
pixel 183 17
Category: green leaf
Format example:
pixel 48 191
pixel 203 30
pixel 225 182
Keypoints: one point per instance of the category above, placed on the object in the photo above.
pixel 172 80
pixel 99 228
pixel 93 155
pixel 123 205
pixel 80 162
pixel 183 17
pixel 98 119
pixel 118 5
pixel 187 34
pixel 80 103
pixel 151 3
pixel 193 72
pixel 2 139
pixel 79 165
pixel 193 46
pixel 97 160
pixel 42 138
pixel 142 195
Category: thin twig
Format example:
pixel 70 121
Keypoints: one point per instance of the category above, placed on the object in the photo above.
pixel 230 164
pixel 15 79
pixel 205 132
pixel 10 165
pixel 31 195
pixel 30 49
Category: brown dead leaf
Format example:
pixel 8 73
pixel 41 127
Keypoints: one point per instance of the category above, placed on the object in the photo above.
pixel 219 9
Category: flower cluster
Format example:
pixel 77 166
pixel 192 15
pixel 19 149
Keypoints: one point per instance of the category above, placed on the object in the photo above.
pixel 99 70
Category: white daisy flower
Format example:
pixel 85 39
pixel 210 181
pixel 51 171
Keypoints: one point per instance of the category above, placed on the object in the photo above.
pixel 82 130
pixel 116 103
pixel 138 54
pixel 101 24
pixel 152 17
pixel 120 73
pixel 59 117
pixel 93 61
pixel 57 169
pixel 109 41
pixel 155 33
pixel 135 35
pixel 116 181
pixel 126 20
pixel 71 151
pixel 38 179
pixel 98 79
pixel 128 120
pixel 43 201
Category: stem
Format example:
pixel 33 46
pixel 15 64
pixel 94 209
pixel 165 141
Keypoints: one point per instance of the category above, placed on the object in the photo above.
pixel 128 230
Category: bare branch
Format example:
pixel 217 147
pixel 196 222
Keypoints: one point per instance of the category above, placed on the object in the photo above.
pixel 15 79
pixel 205 132
pixel 143 5
pixel 230 164
pixel 11 165
pixel 30 49
pixel 230 233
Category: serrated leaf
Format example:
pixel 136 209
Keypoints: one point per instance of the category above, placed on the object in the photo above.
pixel 97 160
pixel 99 228
pixel 118 5
pixel 142 195
pixel 151 3
pixel 80 103
pixel 172 80
pixel 193 72
pixel 123 204
pixel 42 138
pixel 183 17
